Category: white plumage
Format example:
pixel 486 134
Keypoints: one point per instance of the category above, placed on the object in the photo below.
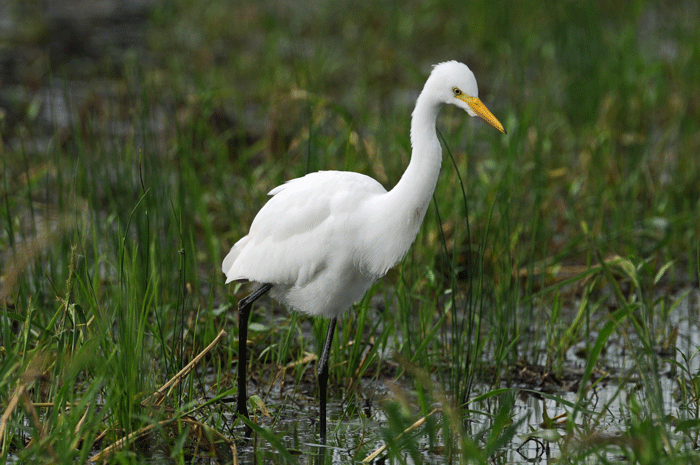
pixel 303 242
pixel 322 239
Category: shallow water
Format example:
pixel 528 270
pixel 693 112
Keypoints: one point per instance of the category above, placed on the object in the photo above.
pixel 297 418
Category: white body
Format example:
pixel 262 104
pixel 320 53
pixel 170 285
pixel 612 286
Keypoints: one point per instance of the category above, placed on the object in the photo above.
pixel 323 239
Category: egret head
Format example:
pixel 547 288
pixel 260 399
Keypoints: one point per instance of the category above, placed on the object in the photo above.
pixel 455 84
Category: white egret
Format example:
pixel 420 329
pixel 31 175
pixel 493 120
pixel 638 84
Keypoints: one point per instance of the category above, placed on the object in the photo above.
pixel 321 240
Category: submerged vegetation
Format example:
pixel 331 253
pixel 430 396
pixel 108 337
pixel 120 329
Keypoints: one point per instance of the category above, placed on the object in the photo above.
pixel 548 310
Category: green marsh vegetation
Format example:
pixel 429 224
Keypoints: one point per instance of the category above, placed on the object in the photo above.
pixel 547 311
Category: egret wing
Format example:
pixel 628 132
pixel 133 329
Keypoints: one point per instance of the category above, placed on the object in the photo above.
pixel 298 231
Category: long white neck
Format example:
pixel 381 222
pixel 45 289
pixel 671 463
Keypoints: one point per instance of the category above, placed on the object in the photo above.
pixel 400 211
pixel 415 188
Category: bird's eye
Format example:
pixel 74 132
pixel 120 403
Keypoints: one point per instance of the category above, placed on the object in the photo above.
pixel 456 91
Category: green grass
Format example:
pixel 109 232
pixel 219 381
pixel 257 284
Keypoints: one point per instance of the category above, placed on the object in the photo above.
pixel 568 246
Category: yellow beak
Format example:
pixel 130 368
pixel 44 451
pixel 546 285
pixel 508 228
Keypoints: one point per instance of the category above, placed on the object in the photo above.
pixel 481 111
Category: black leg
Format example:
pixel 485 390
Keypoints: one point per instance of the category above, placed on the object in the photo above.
pixel 244 306
pixel 323 376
